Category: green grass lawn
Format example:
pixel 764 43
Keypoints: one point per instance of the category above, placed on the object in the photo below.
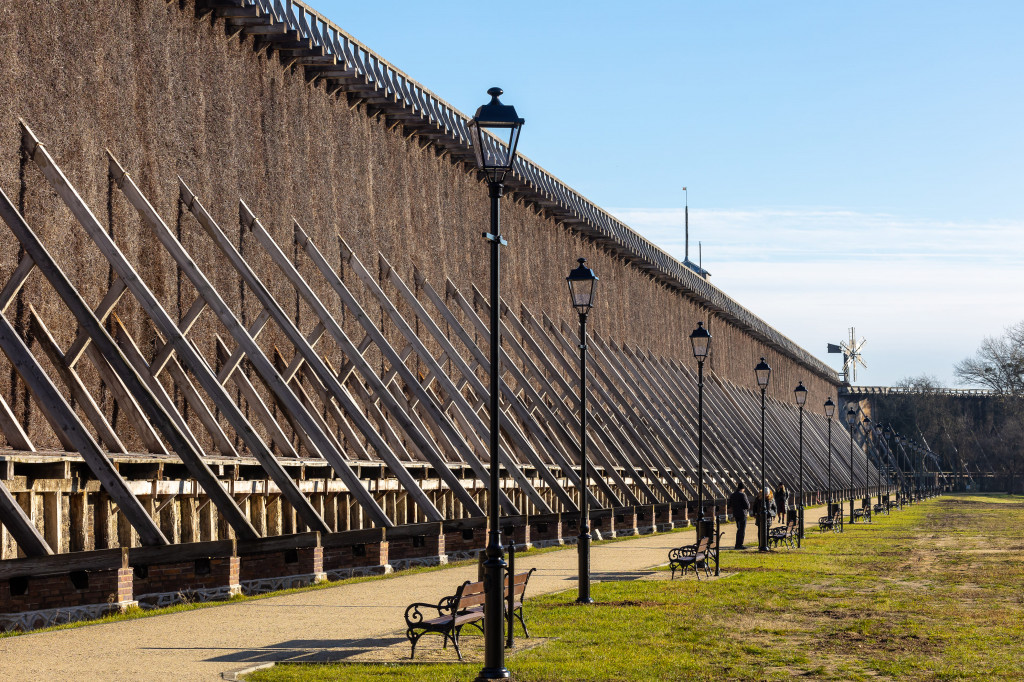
pixel 933 592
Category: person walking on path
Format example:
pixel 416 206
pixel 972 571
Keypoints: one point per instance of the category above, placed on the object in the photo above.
pixel 764 511
pixel 740 505
pixel 782 496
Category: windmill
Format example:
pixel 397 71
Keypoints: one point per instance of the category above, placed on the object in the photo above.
pixel 851 355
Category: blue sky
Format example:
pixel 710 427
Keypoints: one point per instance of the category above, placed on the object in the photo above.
pixel 849 164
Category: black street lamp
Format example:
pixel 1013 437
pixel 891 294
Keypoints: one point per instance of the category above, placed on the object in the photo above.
pixel 582 287
pixel 851 421
pixel 830 411
pixel 866 502
pixel 700 340
pixel 495 160
pixel 763 373
pixel 879 444
pixel 800 395
pixel 901 471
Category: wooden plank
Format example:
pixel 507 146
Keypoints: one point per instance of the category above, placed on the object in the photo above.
pixel 78 391
pixel 15 282
pixel 329 380
pixel 130 407
pixel 63 420
pixel 645 421
pixel 185 325
pixel 58 564
pixel 11 428
pixel 321 444
pixel 106 306
pixel 539 403
pixel 619 428
pixel 438 421
pixel 190 358
pixel 189 456
pixel 471 419
pixel 511 398
pixel 138 362
pixel 19 525
pixel 258 407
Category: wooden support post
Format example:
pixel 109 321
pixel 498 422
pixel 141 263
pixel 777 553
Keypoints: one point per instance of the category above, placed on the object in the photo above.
pixel 473 424
pixel 375 386
pixel 189 456
pixel 20 525
pixel 63 420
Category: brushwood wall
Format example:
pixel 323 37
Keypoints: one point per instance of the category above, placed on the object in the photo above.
pixel 173 95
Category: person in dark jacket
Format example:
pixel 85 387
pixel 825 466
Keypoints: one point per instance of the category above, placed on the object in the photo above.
pixel 764 512
pixel 782 497
pixel 740 505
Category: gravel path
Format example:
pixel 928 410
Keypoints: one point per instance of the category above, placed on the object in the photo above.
pixel 209 643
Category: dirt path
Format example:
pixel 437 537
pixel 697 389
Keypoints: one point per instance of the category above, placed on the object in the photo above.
pixel 207 643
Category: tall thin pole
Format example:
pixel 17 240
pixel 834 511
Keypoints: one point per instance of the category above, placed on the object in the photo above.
pixel 829 496
pixel 852 484
pixel 494 566
pixel 700 450
pixel 764 498
pixel 867 470
pixel 583 541
pixel 800 508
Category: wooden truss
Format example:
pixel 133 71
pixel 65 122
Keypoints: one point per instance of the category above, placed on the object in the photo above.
pixel 422 402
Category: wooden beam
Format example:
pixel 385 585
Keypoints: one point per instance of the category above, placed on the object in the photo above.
pixel 78 391
pixel 186 352
pixel 318 366
pixel 474 424
pixel 18 524
pixel 62 419
pixel 58 280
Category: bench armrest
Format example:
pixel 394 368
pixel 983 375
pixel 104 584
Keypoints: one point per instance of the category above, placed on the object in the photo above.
pixel 417 612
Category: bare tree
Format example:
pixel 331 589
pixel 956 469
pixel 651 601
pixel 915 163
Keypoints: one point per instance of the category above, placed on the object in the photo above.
pixel 998 364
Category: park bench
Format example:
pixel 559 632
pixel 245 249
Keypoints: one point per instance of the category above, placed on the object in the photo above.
pixel 893 504
pixel 465 607
pixel 864 514
pixel 690 556
pixel 879 508
pixel 832 523
pixel 784 534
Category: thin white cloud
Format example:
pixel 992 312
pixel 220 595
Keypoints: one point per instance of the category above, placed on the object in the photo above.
pixel 924 292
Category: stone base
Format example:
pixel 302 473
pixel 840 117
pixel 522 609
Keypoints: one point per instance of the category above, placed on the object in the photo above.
pixel 665 527
pixel 31 620
pixel 261 585
pixel 464 555
pixel 358 572
pixel 551 543
pixel 416 562
pixel 646 530
pixel 158 600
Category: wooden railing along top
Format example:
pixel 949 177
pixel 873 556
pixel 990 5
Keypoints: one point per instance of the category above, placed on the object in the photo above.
pixel 351 66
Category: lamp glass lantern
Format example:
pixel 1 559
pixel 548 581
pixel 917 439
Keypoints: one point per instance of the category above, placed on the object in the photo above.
pixel 830 408
pixel 763 373
pixel 700 339
pixel 800 394
pixel 851 417
pixel 582 287
pixel 494 132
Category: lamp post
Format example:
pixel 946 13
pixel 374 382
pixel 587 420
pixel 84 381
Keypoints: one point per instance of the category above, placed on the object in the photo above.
pixel 495 159
pixel 800 395
pixel 582 287
pixel 851 420
pixel 879 444
pixel 866 502
pixel 763 373
pixel 830 411
pixel 700 340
